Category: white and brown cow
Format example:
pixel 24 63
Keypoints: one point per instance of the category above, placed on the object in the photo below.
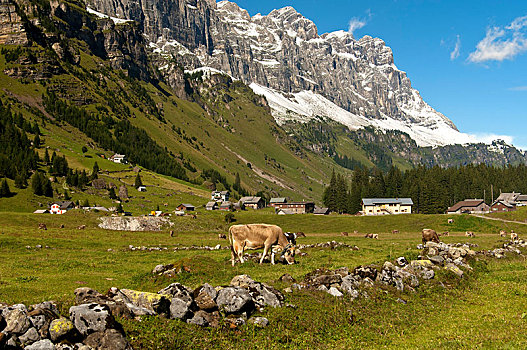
pixel 256 236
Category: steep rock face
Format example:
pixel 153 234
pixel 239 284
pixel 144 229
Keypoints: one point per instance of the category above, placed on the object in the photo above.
pixel 12 31
pixel 352 81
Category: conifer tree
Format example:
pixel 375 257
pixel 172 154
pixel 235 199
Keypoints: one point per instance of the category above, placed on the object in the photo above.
pixel 46 157
pixel 95 171
pixel 4 189
pixel 138 182
pixel 111 193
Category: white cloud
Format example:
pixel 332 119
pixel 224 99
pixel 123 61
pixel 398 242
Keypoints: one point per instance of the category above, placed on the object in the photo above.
pixel 355 23
pixel 455 54
pixel 518 88
pixel 488 138
pixel 502 43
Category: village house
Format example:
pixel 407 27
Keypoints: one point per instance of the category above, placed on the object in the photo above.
pixel 220 196
pixel 274 201
pixel 41 211
pixel 212 205
pixel 508 197
pixel 185 207
pixel 469 206
pixel 226 206
pixel 521 200
pixel 284 212
pixel 61 207
pixel 119 158
pixel 252 202
pixel 321 211
pixel 387 206
pixel 296 207
pixel 501 206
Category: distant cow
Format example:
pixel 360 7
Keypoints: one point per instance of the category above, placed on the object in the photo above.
pixel 344 234
pixel 395 231
pixel 430 235
pixel 450 221
pixel 81 227
pixel 514 236
pixel 503 233
pixel 222 236
pixel 42 226
pixel 300 234
pixel 372 235
pixel 446 233
pixel 470 234
pixel 256 236
pixel 61 226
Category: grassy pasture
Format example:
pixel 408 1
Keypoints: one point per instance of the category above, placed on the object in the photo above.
pixel 486 310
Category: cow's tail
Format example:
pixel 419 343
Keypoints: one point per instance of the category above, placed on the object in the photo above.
pixel 231 241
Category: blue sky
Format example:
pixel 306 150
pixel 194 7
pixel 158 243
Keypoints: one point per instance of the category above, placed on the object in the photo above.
pixel 467 58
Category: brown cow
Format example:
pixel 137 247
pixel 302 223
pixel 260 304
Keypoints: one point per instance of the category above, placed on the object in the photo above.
pixel 470 234
pixel 42 226
pixel 372 235
pixel 300 234
pixel 430 235
pixel 256 236
pixel 446 233
pixel 503 233
pixel 344 234
pixel 395 231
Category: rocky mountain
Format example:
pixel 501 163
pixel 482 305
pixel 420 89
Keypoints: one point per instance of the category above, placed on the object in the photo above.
pixel 283 57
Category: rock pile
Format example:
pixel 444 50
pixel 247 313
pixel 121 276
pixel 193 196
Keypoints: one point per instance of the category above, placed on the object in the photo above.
pixel 39 327
pixel 509 247
pixel 331 245
pixel 402 274
pixel 159 249
pixel 129 223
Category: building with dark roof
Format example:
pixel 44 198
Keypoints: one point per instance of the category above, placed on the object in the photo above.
pixel 469 206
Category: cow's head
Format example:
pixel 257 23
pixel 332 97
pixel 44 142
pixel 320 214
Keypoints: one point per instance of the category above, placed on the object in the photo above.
pixel 291 237
pixel 289 253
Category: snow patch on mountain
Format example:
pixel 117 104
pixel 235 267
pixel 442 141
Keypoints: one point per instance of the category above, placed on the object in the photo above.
pixel 102 15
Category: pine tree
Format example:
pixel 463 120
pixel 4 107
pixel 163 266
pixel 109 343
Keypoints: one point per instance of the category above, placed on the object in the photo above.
pixel 111 193
pixel 4 189
pixel 67 195
pixel 330 194
pixel 95 171
pixel 47 188
pixel 37 185
pixel 120 208
pixel 138 181
pixel 46 157
pixel 237 183
pixel 84 149
pixel 36 141
pixel 20 181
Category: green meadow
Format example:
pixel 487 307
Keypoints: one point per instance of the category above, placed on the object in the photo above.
pixel 486 309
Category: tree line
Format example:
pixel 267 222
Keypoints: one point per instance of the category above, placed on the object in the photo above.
pixel 432 189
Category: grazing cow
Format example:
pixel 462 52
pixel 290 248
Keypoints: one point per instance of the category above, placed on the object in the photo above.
pixel 171 233
pixel 430 235
pixel 42 226
pixel 222 236
pixel 395 231
pixel 300 234
pixel 514 236
pixel 470 234
pixel 256 236
pixel 446 233
pixel 355 232
pixel 372 235
pixel 450 221
pixel 344 234
pixel 503 233
pixel 81 227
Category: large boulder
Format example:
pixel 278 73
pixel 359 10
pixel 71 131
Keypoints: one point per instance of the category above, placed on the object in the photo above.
pixel 265 295
pixel 61 328
pixel 204 297
pixel 91 318
pixel 233 300
pixel 17 321
pixel 109 339
pixel 29 337
pixel 181 301
pixel 44 344
pixel 154 302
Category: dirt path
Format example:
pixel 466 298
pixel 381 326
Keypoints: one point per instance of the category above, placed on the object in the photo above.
pixel 497 219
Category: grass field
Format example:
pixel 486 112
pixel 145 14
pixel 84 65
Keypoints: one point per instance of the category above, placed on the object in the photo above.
pixel 485 310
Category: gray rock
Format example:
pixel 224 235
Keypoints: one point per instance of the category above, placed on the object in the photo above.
pixel 109 339
pixel 48 305
pixel 30 336
pixel 287 278
pixel 234 300
pixel 17 321
pixel 428 274
pixel 261 322
pixel 342 271
pixel 264 295
pixel 180 309
pixel 401 261
pixel 243 281
pixel 44 344
pixel 296 286
pixel 322 288
pixel 438 260
pixel 335 292
pixel 90 318
pixel 327 279
pixel 204 297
